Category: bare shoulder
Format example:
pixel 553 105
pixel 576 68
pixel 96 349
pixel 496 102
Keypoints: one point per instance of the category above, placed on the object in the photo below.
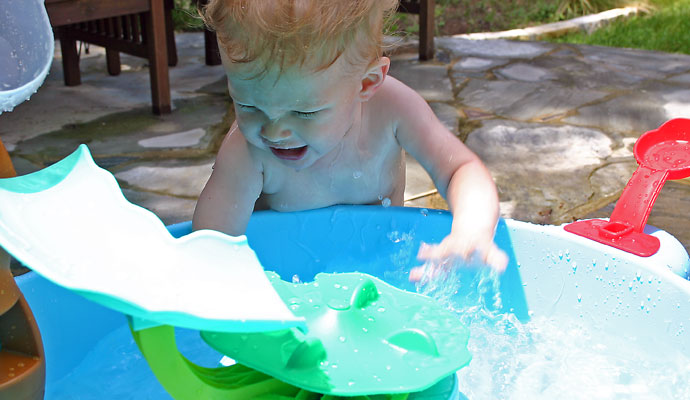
pixel 402 103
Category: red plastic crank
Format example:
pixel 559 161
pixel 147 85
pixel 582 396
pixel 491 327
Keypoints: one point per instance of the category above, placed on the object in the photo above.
pixel 662 154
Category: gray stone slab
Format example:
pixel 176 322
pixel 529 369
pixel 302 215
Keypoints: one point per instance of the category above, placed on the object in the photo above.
pixel 119 134
pixel 431 81
pixel 492 48
pixel 542 171
pixel 631 113
pixel 417 180
pixel 525 101
pixel 478 63
pixel 682 79
pixel 169 209
pixel 188 138
pixel 577 71
pixel 525 72
pixel 169 177
pixel 474 67
pixel 448 115
pixel 652 64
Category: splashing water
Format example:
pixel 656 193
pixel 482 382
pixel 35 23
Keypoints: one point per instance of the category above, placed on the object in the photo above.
pixel 547 358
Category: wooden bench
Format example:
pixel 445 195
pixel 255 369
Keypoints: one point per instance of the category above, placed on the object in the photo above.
pixel 136 27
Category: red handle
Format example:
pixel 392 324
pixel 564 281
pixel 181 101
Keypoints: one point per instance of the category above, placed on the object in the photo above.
pixel 636 202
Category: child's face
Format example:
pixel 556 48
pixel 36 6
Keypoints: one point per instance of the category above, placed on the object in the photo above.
pixel 298 116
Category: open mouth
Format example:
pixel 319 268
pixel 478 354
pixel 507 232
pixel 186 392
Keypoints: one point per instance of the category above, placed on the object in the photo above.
pixel 292 154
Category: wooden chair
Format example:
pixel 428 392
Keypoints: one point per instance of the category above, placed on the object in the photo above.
pixel 136 27
pixel 425 10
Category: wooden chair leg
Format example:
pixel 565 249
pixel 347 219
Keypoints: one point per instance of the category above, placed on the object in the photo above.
pixel 211 48
pixel 170 33
pixel 158 58
pixel 70 61
pixel 426 29
pixel 112 58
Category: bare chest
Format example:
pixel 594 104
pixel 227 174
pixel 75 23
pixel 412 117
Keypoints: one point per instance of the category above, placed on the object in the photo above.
pixel 359 175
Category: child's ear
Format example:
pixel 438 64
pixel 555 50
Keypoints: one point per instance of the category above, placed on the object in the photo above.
pixel 373 78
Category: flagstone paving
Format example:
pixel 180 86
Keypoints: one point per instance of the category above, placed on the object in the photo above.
pixel 555 124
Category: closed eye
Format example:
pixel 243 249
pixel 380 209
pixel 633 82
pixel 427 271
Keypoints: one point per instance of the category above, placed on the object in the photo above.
pixel 246 107
pixel 309 114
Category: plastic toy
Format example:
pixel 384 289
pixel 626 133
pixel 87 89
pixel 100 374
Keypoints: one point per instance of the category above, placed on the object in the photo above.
pixel 68 218
pixel 22 363
pixel 26 50
pixel 662 154
pixel 365 338
pixel 42 228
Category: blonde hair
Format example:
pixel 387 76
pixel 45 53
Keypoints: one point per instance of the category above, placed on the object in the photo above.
pixel 299 32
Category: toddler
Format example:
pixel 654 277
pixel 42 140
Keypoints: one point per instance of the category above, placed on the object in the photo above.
pixel 319 122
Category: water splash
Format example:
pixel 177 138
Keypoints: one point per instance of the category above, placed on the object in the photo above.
pixel 548 357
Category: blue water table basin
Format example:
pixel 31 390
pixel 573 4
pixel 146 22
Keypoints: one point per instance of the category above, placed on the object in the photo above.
pixel 552 273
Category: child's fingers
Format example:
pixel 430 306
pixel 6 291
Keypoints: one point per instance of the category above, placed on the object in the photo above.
pixel 496 258
pixel 416 274
pixel 444 250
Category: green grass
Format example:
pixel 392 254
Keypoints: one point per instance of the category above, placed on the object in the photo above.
pixel 666 28
pixel 185 16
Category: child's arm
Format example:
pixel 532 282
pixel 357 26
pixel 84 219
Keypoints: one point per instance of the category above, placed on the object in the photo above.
pixel 459 175
pixel 227 201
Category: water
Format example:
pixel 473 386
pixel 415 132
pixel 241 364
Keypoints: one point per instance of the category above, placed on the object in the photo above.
pixel 115 369
pixel 551 358
pixel 545 358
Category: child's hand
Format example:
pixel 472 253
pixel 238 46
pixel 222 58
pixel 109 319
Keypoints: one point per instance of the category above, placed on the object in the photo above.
pixel 463 247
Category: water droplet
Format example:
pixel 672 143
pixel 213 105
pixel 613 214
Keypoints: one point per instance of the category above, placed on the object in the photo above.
pixel 386 202
pixel 381 309
pixel 424 212
pixel 295 279
pixel 579 298
pixel 342 339
pixel 357 174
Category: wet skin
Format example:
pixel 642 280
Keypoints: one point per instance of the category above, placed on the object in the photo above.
pixel 307 139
